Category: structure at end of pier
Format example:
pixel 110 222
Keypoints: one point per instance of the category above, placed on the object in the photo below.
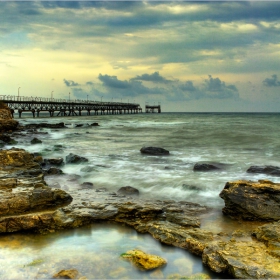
pixel 152 108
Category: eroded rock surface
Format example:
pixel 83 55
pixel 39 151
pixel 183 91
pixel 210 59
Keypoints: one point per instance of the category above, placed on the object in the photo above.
pixel 249 200
pixel 7 122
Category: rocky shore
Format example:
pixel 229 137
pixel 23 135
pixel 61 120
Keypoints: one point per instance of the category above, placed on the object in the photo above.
pixel 27 203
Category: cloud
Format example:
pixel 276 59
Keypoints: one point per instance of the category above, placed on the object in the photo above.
pixel 70 83
pixel 215 88
pixel 155 77
pixel 272 82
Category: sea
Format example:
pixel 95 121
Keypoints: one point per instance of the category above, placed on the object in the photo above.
pixel 234 141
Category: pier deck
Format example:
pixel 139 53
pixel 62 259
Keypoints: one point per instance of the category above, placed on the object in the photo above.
pixel 64 107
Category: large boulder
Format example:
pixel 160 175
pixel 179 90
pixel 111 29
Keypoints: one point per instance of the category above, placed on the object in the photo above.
pixel 155 151
pixel 25 199
pixel 249 200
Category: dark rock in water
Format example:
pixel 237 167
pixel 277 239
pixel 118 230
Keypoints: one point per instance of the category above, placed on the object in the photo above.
pixel 58 147
pixel 53 171
pixel 87 169
pixel 72 158
pixel 2 144
pixel 45 125
pixel 87 185
pixel 268 169
pixel 95 124
pixel 128 191
pixel 78 125
pixel 53 161
pixel 205 167
pixel 36 141
pixel 154 151
pixel 191 187
pixel 249 200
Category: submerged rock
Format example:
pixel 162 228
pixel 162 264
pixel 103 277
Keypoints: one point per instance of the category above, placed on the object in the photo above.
pixel 154 151
pixel 36 141
pixel 268 169
pixel 128 191
pixel 66 274
pixel 204 167
pixel 249 200
pixel 44 125
pixel 143 260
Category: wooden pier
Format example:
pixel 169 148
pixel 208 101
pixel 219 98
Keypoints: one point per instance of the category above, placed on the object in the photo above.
pixel 64 107
pixel 152 109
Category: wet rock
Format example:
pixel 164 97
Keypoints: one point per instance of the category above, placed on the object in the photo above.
pixel 53 171
pixel 268 169
pixel 78 125
pixel 53 161
pixel 87 185
pixel 95 124
pixel 154 151
pixel 204 167
pixel 249 200
pixel 72 158
pixel 36 141
pixel 191 187
pixel 44 125
pixel 128 191
pixel 143 260
pixel 66 274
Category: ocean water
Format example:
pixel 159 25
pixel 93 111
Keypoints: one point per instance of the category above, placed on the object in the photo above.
pixel 235 141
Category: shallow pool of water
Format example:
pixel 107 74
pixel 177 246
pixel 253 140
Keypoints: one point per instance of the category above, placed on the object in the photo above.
pixel 94 251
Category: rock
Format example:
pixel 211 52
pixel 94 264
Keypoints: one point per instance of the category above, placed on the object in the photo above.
pixel 53 171
pixel 7 123
pixel 87 185
pixel 204 167
pixel 53 161
pixel 72 158
pixel 36 141
pixel 25 199
pixel 66 274
pixel 268 169
pixel 154 151
pixel 144 261
pixel 190 187
pixel 44 125
pixel 249 200
pixel 95 124
pixel 241 259
pixel 78 125
pixel 128 191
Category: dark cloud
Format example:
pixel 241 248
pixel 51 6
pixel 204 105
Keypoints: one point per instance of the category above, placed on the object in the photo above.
pixel 155 77
pixel 187 86
pixel 128 88
pixel 70 83
pixel 113 82
pixel 272 82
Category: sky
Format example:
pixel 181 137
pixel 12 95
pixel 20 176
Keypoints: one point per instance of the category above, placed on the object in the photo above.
pixel 188 56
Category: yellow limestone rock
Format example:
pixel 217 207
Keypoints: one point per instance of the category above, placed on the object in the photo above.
pixel 144 261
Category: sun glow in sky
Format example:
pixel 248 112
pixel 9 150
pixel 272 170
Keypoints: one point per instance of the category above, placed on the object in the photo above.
pixel 190 56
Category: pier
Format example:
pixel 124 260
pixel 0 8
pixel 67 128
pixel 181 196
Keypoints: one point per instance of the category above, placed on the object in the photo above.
pixel 152 108
pixel 64 107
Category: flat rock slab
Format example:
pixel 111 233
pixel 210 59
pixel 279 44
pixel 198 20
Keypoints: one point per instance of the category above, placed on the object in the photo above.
pixel 155 151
